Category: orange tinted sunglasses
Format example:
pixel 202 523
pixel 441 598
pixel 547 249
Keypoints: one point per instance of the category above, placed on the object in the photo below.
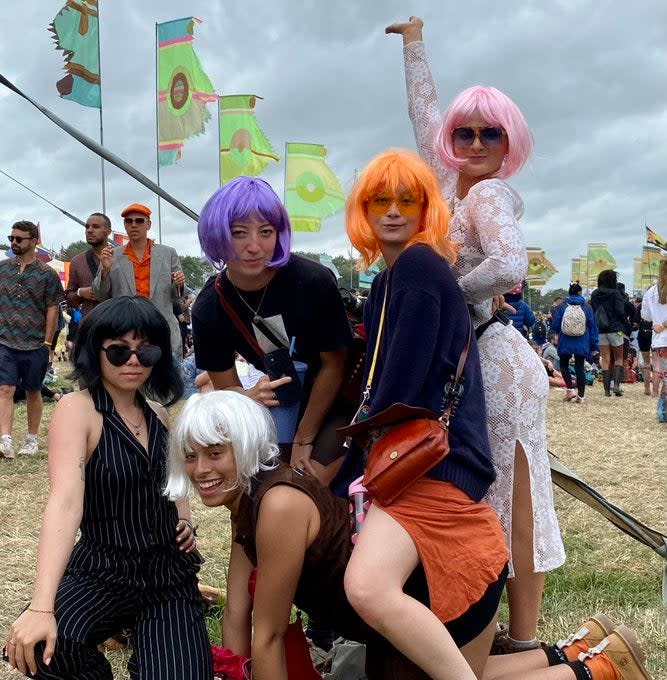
pixel 408 205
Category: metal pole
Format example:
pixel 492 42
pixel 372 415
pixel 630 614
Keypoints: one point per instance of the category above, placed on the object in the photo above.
pixel 99 68
pixel 219 145
pixel 157 131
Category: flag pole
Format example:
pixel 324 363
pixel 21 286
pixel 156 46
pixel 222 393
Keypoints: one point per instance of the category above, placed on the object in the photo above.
pixel 219 143
pixel 99 70
pixel 157 131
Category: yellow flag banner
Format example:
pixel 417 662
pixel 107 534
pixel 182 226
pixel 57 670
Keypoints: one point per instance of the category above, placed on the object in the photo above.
pixel 312 190
pixel 655 239
pixel 244 148
pixel 540 269
pixel 650 266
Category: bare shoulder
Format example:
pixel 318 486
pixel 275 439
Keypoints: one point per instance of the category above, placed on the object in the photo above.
pixel 284 501
pixel 160 411
pixel 78 403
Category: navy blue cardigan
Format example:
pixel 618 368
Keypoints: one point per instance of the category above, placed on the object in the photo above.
pixel 426 326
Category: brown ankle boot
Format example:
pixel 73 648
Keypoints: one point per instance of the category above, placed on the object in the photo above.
pixel 619 656
pixel 589 635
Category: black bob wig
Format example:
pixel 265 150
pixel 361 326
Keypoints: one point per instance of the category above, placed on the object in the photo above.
pixel 112 319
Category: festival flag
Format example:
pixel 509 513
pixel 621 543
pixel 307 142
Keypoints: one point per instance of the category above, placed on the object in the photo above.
pixel 575 273
pixel 599 258
pixel 650 266
pixel 184 89
pixel 540 269
pixel 655 239
pixel 312 191
pixel 244 148
pixel 76 32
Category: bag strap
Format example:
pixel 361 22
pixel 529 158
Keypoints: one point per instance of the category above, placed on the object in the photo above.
pixel 231 313
pixel 453 391
pixel 376 349
pixel 90 261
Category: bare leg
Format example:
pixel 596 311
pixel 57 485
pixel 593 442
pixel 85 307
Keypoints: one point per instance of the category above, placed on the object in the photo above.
pixel 605 356
pixel 476 652
pixel 6 408
pixel 524 591
pixel 34 405
pixel 530 665
pixel 381 562
pixel 618 355
pixel 646 372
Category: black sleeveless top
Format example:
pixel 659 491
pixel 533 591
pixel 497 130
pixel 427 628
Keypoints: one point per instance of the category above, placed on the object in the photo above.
pixel 128 527
pixel 320 590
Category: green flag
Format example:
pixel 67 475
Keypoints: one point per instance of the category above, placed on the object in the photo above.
pixel 244 148
pixel 76 32
pixel 312 191
pixel 540 269
pixel 183 88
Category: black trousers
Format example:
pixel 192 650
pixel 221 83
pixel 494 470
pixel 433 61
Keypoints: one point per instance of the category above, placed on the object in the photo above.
pixel 578 369
pixel 169 638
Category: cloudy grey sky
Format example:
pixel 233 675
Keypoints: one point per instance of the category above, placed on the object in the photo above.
pixel 589 76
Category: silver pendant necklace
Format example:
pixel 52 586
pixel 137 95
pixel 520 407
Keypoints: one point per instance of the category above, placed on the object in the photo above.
pixel 255 312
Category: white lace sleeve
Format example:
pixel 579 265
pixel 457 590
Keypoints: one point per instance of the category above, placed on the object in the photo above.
pixel 493 209
pixel 423 106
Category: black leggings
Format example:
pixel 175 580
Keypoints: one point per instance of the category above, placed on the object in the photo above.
pixel 578 369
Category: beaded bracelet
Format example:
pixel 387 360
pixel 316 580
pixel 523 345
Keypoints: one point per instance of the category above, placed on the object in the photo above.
pixel 41 611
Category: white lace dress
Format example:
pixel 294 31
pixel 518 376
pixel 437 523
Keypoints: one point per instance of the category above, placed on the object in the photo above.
pixel 492 260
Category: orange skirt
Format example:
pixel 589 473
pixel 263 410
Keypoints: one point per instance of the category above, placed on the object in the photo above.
pixel 460 543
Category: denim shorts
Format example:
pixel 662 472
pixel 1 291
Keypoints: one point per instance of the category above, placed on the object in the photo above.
pixel 613 339
pixel 23 368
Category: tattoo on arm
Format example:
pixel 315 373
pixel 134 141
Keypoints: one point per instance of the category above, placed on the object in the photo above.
pixel 82 467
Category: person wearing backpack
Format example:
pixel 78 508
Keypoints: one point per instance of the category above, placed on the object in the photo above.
pixel 609 309
pixel 539 330
pixel 577 336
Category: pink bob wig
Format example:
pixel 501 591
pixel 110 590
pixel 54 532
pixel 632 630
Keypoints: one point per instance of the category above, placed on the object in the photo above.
pixel 497 109
pixel 387 172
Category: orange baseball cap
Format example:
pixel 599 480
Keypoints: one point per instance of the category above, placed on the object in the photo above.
pixel 137 207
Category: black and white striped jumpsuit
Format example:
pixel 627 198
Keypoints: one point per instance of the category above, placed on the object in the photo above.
pixel 126 570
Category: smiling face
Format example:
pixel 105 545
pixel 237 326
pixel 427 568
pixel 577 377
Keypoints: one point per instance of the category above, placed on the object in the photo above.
pixel 481 161
pixel 212 471
pixel 131 375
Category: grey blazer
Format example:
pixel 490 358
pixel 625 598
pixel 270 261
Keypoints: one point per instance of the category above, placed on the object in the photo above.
pixel 120 281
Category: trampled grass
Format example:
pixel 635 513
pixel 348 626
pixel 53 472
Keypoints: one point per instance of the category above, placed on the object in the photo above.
pixel 614 444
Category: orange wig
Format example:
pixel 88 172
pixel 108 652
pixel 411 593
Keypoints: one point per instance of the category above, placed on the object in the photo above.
pixel 387 172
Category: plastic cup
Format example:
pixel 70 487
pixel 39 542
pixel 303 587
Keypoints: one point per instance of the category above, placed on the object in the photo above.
pixel 286 417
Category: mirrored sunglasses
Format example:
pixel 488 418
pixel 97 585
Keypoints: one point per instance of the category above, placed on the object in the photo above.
pixel 488 136
pixel 147 355
pixel 408 205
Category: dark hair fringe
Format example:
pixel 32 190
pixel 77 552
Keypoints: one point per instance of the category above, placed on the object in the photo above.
pixel 112 319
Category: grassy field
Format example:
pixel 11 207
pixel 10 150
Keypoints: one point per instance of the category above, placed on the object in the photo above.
pixel 614 444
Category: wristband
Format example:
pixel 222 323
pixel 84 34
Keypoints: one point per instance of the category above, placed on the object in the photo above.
pixel 41 611
pixel 302 443
pixel 78 292
pixel 48 344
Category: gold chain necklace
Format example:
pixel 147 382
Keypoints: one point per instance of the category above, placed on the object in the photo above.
pixel 136 428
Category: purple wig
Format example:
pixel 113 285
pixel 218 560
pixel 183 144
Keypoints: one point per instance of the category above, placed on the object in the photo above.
pixel 497 109
pixel 240 199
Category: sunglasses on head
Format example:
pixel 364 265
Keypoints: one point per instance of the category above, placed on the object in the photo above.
pixel 134 220
pixel 488 136
pixel 19 239
pixel 147 355
pixel 407 204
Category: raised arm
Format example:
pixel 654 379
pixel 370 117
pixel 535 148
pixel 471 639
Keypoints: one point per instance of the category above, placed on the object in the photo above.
pixel 423 106
pixel 68 451
pixel 494 209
